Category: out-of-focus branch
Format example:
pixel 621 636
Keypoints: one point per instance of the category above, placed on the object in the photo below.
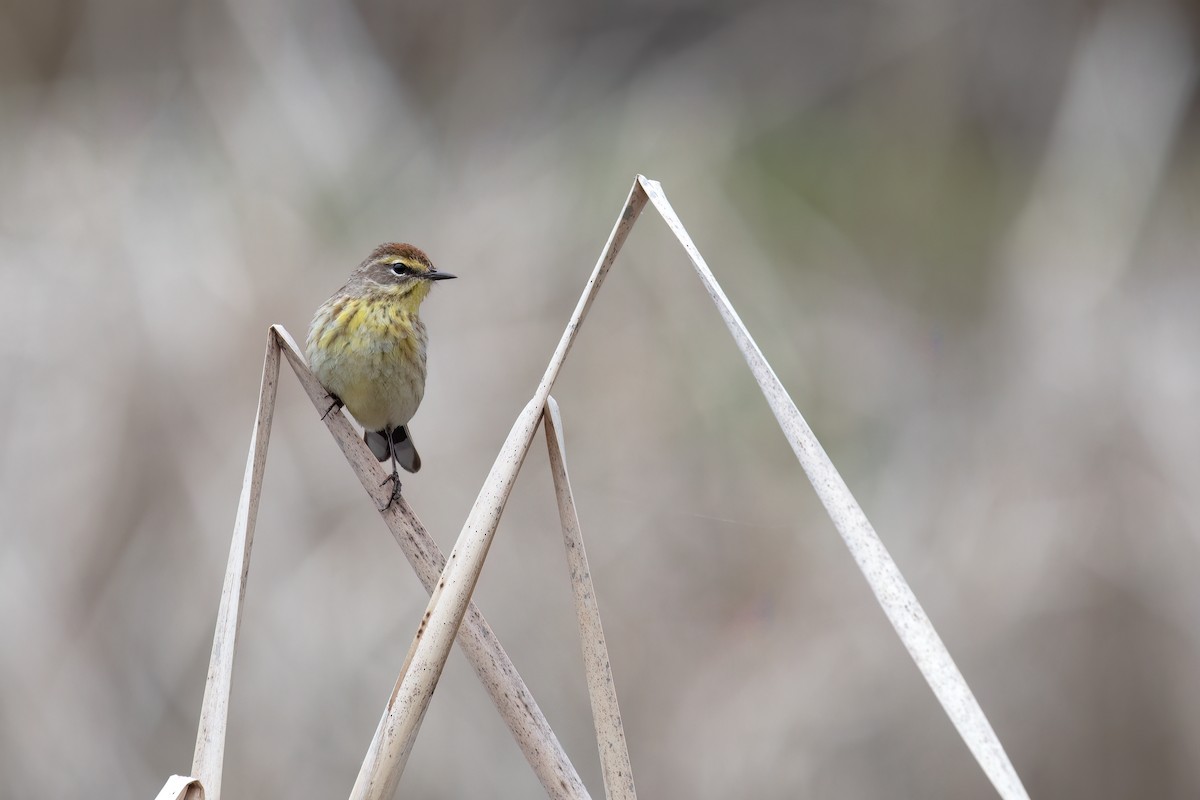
pixel 1125 99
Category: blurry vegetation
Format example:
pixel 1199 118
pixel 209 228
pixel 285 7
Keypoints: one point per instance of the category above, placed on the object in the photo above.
pixel 964 233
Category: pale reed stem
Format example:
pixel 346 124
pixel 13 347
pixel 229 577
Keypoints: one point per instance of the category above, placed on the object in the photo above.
pixel 602 691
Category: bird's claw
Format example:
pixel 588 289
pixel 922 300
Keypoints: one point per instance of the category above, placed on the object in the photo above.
pixel 393 479
pixel 336 405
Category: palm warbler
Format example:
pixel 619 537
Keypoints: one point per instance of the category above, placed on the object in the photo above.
pixel 366 345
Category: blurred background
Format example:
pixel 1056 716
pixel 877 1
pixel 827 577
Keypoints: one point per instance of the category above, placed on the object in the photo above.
pixel 966 234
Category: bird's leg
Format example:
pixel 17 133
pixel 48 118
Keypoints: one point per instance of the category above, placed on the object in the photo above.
pixel 394 478
pixel 336 405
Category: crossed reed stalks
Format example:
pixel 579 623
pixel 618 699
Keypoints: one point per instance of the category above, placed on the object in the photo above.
pixel 452 616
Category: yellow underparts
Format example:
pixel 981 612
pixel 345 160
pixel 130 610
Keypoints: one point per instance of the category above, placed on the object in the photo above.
pixel 370 352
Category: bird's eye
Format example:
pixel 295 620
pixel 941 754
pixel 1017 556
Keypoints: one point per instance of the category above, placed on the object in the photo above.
pixel 400 268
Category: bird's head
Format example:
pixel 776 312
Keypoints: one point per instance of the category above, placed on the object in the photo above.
pixel 402 271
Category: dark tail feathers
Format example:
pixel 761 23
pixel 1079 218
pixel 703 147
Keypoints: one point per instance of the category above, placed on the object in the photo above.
pixel 401 441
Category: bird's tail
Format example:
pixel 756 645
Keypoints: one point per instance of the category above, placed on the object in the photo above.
pixel 401 442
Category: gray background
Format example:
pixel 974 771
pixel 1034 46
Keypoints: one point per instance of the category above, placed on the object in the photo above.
pixel 965 234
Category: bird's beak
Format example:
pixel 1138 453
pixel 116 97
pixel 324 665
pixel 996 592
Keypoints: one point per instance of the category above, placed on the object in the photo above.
pixel 439 276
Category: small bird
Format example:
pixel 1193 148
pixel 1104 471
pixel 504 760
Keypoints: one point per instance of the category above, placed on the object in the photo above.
pixel 366 345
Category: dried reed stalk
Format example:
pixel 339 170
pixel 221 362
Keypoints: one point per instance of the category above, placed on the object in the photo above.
pixel 177 786
pixel 209 755
pixel 606 715
pixel 496 671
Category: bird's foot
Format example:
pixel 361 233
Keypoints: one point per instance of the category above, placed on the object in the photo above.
pixel 394 480
pixel 336 405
